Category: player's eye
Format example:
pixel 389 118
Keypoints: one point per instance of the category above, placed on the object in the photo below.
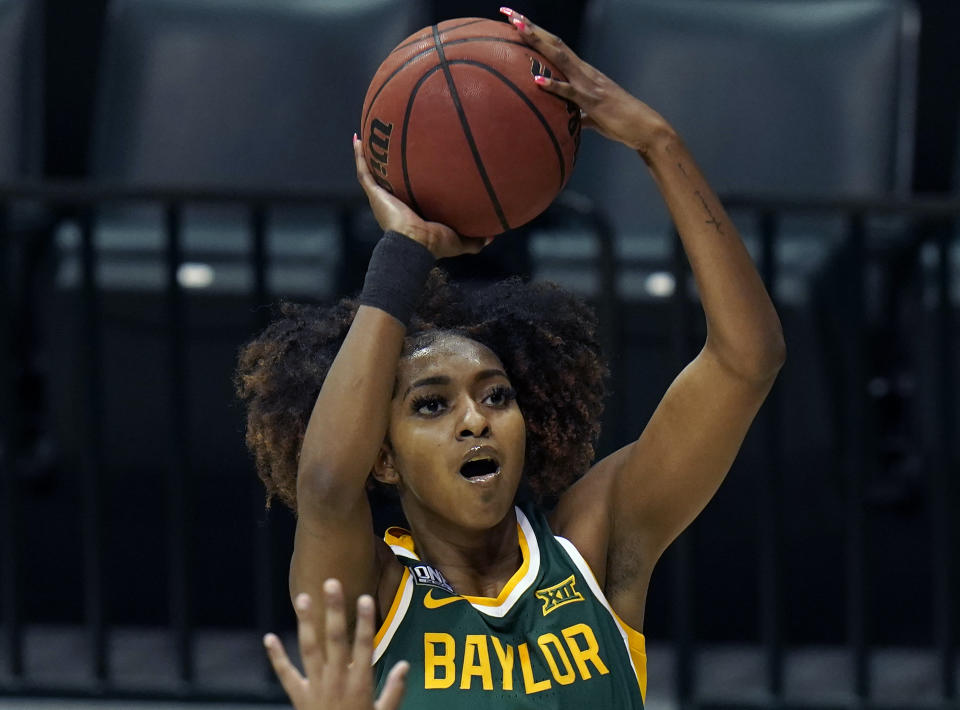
pixel 500 396
pixel 428 405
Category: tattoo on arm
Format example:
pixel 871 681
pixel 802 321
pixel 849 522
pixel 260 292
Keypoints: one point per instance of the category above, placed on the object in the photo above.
pixel 713 220
pixel 717 224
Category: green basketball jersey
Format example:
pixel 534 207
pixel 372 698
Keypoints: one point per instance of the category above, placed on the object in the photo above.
pixel 549 640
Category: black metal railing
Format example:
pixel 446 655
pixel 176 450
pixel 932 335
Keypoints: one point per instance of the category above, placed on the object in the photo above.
pixel 77 203
pixel 932 221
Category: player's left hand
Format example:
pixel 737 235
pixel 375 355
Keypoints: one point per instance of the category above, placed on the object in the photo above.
pixel 335 677
pixel 605 106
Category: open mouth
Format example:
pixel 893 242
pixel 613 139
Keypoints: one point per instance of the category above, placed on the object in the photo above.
pixel 480 469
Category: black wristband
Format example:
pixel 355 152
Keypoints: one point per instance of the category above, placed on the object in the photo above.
pixel 395 276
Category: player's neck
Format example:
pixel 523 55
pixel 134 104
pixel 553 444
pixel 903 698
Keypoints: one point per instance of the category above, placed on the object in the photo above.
pixel 474 564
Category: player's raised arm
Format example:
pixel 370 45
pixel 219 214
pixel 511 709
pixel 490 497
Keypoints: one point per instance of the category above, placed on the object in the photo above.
pixel 346 429
pixel 632 505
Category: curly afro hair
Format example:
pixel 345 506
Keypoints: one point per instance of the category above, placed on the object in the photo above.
pixel 545 337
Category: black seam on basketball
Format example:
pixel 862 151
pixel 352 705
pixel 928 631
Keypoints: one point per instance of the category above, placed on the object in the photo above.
pixel 449 29
pixel 514 42
pixel 462 40
pixel 387 81
pixel 466 131
pixel 403 136
pixel 532 106
pixel 433 49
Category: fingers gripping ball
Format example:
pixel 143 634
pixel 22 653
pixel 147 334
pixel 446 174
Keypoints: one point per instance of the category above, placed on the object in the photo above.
pixel 454 125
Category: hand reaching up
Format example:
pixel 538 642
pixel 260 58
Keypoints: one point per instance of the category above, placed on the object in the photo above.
pixel 335 676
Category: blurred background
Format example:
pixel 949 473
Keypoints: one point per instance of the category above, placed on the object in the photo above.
pixel 170 169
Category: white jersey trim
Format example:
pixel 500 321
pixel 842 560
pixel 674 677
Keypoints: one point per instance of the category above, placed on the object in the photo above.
pixel 404 552
pixel 396 620
pixel 574 554
pixel 525 582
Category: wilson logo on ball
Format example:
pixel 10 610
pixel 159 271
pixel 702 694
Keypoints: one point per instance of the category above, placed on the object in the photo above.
pixel 538 69
pixel 379 145
pixel 573 126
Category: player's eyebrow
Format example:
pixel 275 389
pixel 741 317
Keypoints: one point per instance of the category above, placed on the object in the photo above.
pixel 487 374
pixel 426 382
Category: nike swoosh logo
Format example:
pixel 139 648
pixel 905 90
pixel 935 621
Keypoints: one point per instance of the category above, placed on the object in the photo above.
pixel 431 603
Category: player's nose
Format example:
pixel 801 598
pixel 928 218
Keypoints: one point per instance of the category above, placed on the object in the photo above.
pixel 473 422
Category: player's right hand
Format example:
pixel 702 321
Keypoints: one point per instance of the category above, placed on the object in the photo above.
pixel 392 214
pixel 605 106
pixel 335 677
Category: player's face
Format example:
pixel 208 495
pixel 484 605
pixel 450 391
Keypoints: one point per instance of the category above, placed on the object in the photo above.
pixel 456 435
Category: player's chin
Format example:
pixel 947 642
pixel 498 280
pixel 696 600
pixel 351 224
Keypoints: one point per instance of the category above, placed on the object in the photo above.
pixel 486 518
pixel 491 499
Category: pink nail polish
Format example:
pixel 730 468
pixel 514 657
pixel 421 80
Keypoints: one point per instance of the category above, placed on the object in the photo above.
pixel 506 11
pixel 540 79
pixel 519 25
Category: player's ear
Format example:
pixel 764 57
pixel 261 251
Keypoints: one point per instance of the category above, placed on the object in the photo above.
pixel 383 468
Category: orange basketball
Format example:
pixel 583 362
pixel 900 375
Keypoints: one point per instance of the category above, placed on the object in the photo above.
pixel 454 125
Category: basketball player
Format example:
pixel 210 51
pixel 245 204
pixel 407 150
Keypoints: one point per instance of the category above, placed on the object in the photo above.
pixel 466 403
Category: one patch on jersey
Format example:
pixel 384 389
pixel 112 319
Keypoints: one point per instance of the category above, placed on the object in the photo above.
pixel 559 594
pixel 426 575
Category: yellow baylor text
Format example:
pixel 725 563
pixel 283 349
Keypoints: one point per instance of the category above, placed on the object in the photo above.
pixel 473 662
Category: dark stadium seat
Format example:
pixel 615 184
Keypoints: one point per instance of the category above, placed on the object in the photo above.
pixel 783 97
pixel 221 93
pixel 21 115
pixel 23 225
pixel 235 93
pixel 789 97
pixel 226 93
